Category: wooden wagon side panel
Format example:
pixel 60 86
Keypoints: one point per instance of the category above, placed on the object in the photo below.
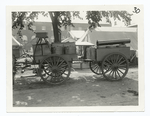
pixel 103 51
pixel 39 58
pixel 91 53
pixel 42 49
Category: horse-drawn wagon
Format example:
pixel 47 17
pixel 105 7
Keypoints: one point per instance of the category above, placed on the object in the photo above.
pixel 109 58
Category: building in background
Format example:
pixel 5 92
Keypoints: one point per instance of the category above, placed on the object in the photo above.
pixel 28 36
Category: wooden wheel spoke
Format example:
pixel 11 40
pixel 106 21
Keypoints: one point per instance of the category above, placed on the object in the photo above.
pixel 117 58
pixel 52 78
pixel 122 65
pixel 122 68
pixel 62 68
pixel 92 66
pixel 106 64
pixel 107 70
pixel 120 71
pixel 48 77
pixel 55 77
pixel 110 72
pixel 122 62
pixel 48 63
pixel 98 69
pixel 114 66
pixel 54 61
pixel 62 71
pixel 49 60
pixel 95 67
pixel 61 63
pixel 58 61
pixel 58 74
pixel 113 74
pixel 46 68
pixel 47 72
pixel 65 73
pixel 118 74
pixel 54 71
pixel 109 62
pixel 113 59
pixel 61 77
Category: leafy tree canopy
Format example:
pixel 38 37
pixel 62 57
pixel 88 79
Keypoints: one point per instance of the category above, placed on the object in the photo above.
pixel 63 18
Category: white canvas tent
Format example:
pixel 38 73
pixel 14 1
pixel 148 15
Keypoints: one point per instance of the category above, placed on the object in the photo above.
pixel 105 33
pixel 115 33
pixel 84 43
pixel 79 37
pixel 73 36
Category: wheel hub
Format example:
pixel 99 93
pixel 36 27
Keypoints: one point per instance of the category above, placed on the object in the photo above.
pixel 114 67
pixel 55 69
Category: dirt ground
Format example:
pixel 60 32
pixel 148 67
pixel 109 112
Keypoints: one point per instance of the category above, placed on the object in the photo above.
pixel 84 88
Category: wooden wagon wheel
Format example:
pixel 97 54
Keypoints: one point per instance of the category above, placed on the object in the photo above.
pixel 54 69
pixel 115 66
pixel 95 68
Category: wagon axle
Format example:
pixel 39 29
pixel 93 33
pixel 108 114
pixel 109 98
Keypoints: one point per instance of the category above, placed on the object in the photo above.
pixel 114 67
pixel 55 69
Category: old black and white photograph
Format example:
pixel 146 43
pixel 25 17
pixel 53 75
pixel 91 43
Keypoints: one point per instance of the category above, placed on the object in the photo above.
pixel 80 57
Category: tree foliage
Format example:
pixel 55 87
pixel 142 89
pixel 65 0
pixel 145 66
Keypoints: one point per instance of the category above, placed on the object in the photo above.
pixel 94 17
pixel 63 18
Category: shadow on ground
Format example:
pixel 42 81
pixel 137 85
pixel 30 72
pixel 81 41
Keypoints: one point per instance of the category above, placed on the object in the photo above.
pixel 83 88
pixel 27 81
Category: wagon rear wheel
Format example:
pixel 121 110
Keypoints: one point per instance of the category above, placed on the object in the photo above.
pixel 115 66
pixel 54 70
pixel 95 68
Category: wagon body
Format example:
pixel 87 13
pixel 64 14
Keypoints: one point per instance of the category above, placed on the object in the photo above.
pixel 65 50
pixel 54 60
pixel 102 52
pixel 110 58
pixel 107 47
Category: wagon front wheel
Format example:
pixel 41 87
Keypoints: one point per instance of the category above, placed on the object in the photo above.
pixel 54 70
pixel 115 66
pixel 95 68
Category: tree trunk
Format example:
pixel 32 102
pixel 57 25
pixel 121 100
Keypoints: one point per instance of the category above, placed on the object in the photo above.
pixel 56 30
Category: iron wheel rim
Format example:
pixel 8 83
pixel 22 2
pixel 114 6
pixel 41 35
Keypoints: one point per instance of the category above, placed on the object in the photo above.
pixel 115 67
pixel 54 70
pixel 95 68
